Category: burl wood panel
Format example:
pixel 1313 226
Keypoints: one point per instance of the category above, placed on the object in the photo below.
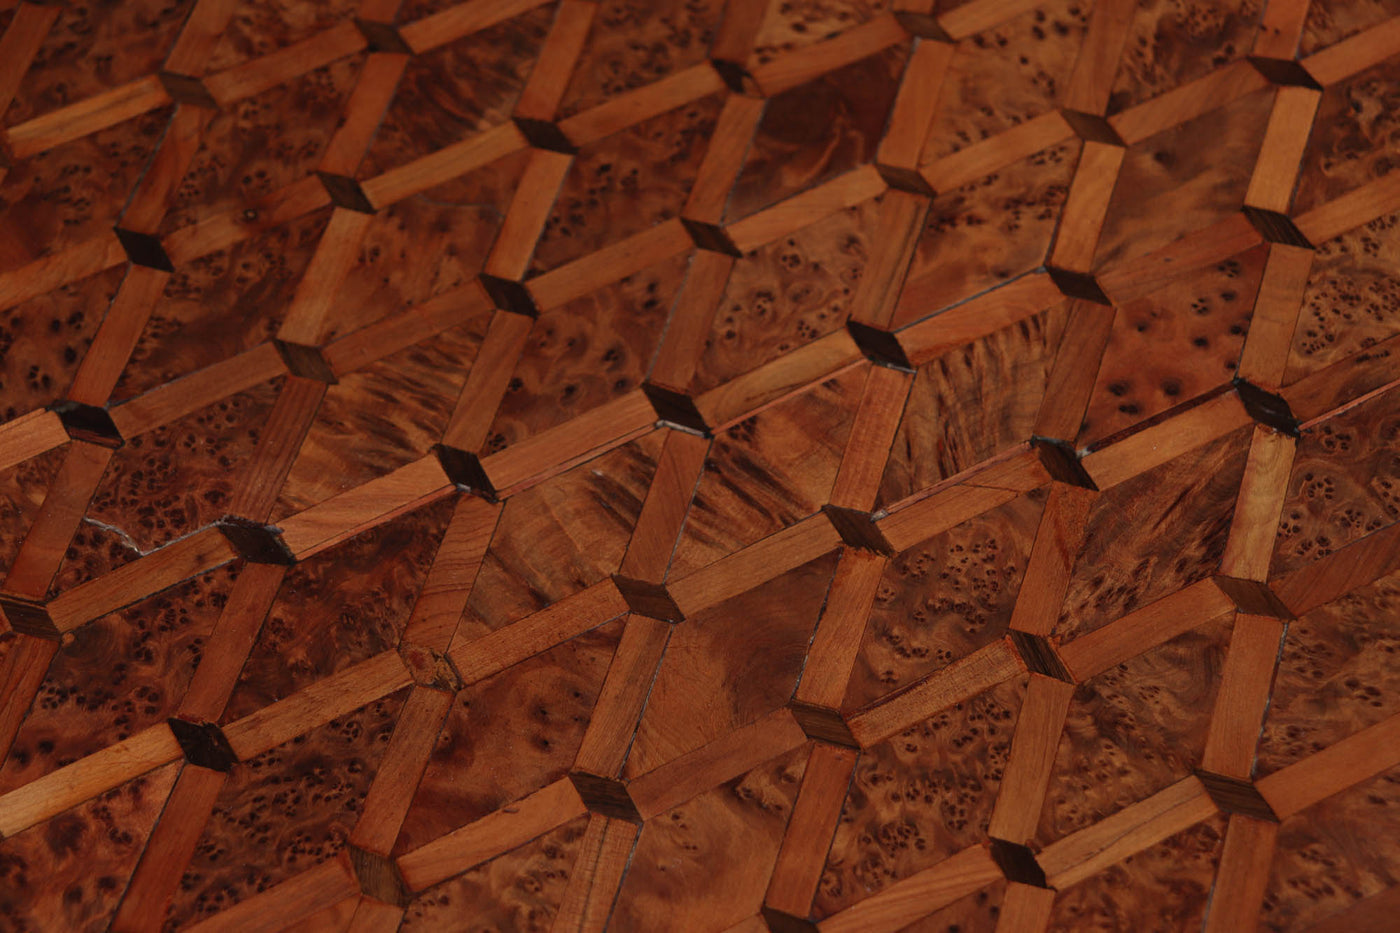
pixel 706 465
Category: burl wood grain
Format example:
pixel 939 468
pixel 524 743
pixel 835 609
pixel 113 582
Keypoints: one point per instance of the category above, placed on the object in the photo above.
pixel 284 811
pixel 944 598
pixel 920 796
pixel 766 472
pixel 1154 534
pixel 1345 483
pixel 545 702
pixel 787 294
pixel 520 890
pixel 584 624
pixel 68 873
pixel 1351 298
pixel 1335 675
pixel 1203 320
pixel 1162 888
pixel 1153 710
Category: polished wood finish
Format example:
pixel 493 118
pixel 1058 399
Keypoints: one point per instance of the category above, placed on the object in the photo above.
pixel 710 465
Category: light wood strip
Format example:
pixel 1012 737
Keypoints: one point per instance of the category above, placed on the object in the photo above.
pixel 1137 453
pixel 1077 237
pixel 1144 629
pixel 1127 832
pixel 1355 54
pixel 691 320
pixel 121 328
pixel 1281 155
pixel 1359 206
pixel 168 851
pixel 58 269
pixel 1032 760
pixel 919 895
pixel 228 646
pixel 1264 359
pixel 336 254
pixel 916 102
pixel 447 163
pixel 188 394
pixel 529 210
pixel 587 609
pixel 961 680
pixel 623 698
pixel 23 38
pixel 317 704
pixel 92 115
pixel 1280 28
pixel 414 737
pixel 1245 685
pixel 1025 909
pixel 414 324
pixel 724 157
pixel 872 435
pixel 443 596
pixel 200 36
pixel 1344 764
pixel 1356 565
pixel 787 217
pixel 1259 504
pixel 609 264
pixel 756 564
pixel 797 67
pixel 48 538
pixel 878 294
pixel 969 19
pixel 643 103
pixel 1058 538
pixel 1135 276
pixel 225 229
pixel 841 628
pixel 148 204
pixel 260 481
pixel 373 503
pixel 788 375
pixel 460 20
pixel 551 452
pixel 982 158
pixel 1243 875
pixel 555 65
pixel 147 575
pixel 917 521
pixel 262 74
pixel 722 760
pixel 30 435
pixel 369 101
pixel 1216 89
pixel 462 849
pixel 1091 82
pixel 932 336
pixel 658 527
pixel 602 858
pixel 486 383
pixel 48 796
pixel 293 900
pixel 802 855
pixel 22 673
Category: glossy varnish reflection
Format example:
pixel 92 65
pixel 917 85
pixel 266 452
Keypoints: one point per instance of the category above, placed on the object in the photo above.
pixel 733 465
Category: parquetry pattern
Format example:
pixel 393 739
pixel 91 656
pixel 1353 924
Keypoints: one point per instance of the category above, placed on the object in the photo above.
pixel 811 464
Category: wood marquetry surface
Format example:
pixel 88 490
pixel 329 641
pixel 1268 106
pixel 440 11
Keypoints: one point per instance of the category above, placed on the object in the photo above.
pixel 700 465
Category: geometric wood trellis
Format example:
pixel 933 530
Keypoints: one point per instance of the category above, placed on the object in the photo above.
pixel 742 465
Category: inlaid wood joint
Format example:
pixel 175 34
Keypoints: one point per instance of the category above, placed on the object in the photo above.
pixel 509 295
pixel 1018 863
pixel 1276 228
pixel 1253 596
pixel 90 423
pixel 605 796
pixel 779 921
pixel 379 876
pixel 144 249
pixel 881 347
pixel 29 617
pixel 306 361
pixel 1285 72
pixel 346 192
pixel 710 237
pixel 203 744
pixel 858 529
pixel 1040 656
pixel 383 37
pixel 1092 127
pixel 257 542
pixel 1061 461
pixel 905 179
pixel 676 409
pixel 652 600
pixel 1082 285
pixel 545 134
pixel 466 471
pixel 1267 408
pixel 923 26
pixel 1234 795
pixel 188 90
pixel 430 668
pixel 822 724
